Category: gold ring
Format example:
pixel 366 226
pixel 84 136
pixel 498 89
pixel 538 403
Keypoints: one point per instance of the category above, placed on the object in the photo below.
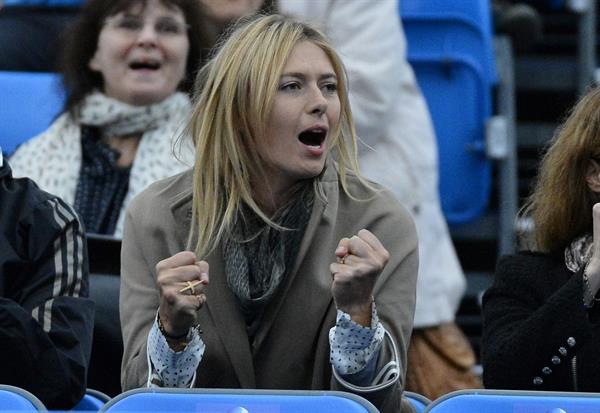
pixel 343 259
pixel 191 286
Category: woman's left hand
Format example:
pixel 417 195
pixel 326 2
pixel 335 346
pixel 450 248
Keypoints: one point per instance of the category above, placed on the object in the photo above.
pixel 360 260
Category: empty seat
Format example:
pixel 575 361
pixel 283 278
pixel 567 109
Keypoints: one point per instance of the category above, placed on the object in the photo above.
pixel 450 49
pixel 29 103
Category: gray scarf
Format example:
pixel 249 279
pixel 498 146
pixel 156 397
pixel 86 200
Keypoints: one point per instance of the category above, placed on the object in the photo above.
pixel 258 257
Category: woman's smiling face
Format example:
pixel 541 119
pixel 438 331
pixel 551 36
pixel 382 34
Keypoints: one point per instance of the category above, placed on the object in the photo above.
pixel 142 53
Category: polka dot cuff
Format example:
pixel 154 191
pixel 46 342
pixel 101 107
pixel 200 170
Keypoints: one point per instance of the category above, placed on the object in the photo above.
pixel 352 346
pixel 169 368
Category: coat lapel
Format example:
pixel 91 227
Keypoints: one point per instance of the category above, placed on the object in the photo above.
pixel 221 306
pixel 322 219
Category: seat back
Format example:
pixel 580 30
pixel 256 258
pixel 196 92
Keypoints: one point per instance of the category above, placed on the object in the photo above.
pixel 515 401
pixel 446 27
pixel 107 345
pixel 450 49
pixel 17 399
pixel 29 102
pixel 92 400
pixel 418 401
pixel 240 400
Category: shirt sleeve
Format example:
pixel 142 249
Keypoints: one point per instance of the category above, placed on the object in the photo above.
pixel 354 349
pixel 168 368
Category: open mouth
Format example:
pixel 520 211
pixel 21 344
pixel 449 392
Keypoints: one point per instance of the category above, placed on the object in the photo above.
pixel 144 65
pixel 313 137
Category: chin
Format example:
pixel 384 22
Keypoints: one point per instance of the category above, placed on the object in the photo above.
pixel 149 98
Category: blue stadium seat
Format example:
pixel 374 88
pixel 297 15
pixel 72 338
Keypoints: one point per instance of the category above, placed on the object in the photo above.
pixel 515 401
pixel 446 27
pixel 30 102
pixel 451 51
pixel 418 401
pixel 92 400
pixel 18 400
pixel 239 400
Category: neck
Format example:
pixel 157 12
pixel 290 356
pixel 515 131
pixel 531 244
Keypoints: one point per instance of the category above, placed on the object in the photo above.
pixel 270 197
pixel 126 145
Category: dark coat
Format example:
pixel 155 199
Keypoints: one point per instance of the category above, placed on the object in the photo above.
pixel 537 334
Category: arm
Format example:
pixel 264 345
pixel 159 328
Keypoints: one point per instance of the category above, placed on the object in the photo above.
pixel 527 316
pixel 147 286
pixel 394 295
pixel 46 321
pixel 138 302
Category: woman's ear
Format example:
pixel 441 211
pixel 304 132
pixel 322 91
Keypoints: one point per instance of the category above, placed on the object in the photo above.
pixel 592 175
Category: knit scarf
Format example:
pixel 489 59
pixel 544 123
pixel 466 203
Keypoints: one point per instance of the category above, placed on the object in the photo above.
pixel 258 257
pixel 117 118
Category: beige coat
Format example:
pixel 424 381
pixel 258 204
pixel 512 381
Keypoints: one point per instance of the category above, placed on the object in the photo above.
pixel 291 348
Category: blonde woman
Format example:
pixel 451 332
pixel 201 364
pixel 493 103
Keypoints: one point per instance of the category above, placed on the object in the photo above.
pixel 300 274
pixel 542 314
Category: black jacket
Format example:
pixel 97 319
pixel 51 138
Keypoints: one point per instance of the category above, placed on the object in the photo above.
pixel 46 319
pixel 536 332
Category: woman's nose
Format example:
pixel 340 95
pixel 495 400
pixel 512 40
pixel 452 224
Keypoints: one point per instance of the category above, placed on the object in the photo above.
pixel 147 36
pixel 318 102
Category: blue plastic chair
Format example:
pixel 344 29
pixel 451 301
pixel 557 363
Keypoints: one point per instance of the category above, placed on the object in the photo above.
pixel 418 401
pixel 450 49
pixel 238 401
pixel 456 96
pixel 445 27
pixel 29 103
pixel 515 401
pixel 92 400
pixel 17 399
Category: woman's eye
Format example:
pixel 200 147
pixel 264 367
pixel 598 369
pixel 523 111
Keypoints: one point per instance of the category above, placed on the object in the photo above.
pixel 331 87
pixel 169 27
pixel 290 86
pixel 130 24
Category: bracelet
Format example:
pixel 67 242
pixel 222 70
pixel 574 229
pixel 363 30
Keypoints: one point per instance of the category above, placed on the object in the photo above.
pixel 162 330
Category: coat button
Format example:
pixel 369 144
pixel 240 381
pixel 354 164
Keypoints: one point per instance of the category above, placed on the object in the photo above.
pixel 538 381
pixel 547 370
pixel 555 360
pixel 562 351
pixel 571 342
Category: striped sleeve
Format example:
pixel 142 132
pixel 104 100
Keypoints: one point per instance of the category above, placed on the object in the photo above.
pixel 46 318
pixel 67 261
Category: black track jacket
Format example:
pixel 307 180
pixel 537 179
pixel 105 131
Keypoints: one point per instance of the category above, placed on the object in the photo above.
pixel 46 319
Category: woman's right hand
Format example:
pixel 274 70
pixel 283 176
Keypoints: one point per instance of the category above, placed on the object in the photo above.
pixel 178 308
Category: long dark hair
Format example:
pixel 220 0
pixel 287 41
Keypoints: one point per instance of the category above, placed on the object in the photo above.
pixel 80 40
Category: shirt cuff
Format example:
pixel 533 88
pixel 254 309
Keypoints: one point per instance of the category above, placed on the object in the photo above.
pixel 354 349
pixel 168 368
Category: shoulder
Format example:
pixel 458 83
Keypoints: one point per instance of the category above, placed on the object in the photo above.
pixel 44 147
pixel 372 200
pixel 157 199
pixel 372 207
pixel 529 261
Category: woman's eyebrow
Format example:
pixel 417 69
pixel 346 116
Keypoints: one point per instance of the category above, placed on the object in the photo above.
pixel 302 76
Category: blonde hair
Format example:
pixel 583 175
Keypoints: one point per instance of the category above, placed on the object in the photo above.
pixel 233 100
pixel 561 203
